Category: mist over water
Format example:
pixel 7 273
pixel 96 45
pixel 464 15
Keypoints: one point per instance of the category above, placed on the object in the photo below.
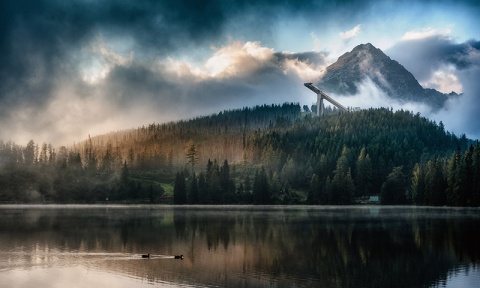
pixel 239 246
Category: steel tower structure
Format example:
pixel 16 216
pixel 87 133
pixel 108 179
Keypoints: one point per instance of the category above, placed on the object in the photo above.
pixel 320 96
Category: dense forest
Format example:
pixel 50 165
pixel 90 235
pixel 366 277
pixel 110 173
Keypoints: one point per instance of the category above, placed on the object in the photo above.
pixel 270 154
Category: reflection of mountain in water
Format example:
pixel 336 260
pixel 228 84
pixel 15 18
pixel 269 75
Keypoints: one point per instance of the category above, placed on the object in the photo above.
pixel 255 247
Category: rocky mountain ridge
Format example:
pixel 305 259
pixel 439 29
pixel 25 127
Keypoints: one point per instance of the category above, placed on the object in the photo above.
pixel 365 60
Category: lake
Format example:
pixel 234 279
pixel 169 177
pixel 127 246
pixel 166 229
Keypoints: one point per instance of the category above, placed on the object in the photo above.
pixel 238 246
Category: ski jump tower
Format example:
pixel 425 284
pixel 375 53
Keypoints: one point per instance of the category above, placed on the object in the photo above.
pixel 320 96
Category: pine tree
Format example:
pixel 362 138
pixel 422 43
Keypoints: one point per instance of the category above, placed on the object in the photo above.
pixel 468 176
pixel 131 156
pixel 214 195
pixel 29 152
pixel 125 175
pixel 314 191
pixel 261 189
pixel 454 179
pixel 364 175
pixel 394 188
pixel 418 185
pixel 179 189
pixel 227 186
pixel 343 188
pixel 124 181
pixel 435 183
pixel 192 195
pixel 191 153
pixel 202 188
pixel 476 175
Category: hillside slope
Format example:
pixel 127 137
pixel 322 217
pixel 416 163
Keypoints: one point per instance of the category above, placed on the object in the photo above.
pixel 263 155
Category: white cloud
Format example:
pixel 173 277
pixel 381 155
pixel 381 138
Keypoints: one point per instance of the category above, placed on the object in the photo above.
pixel 445 81
pixel 304 71
pixel 426 33
pixel 235 60
pixel 238 59
pixel 182 69
pixel 243 60
pixel 350 33
pixel 461 114
pixel 370 95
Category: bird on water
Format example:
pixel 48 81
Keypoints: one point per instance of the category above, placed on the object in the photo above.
pixel 147 256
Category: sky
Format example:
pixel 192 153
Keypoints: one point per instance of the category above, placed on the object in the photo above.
pixel 69 69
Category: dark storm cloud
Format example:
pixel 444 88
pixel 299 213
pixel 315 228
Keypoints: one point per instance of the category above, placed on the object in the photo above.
pixel 179 97
pixel 422 57
pixel 42 45
pixel 38 38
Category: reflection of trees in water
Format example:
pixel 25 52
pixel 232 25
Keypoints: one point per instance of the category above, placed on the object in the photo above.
pixel 329 247
pixel 352 252
pixel 99 229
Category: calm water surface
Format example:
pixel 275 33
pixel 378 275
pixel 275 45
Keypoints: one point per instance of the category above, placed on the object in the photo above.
pixel 238 246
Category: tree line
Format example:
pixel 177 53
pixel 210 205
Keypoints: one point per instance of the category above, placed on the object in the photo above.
pixel 64 176
pixel 270 154
pixel 343 158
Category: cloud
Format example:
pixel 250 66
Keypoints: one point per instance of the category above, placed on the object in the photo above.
pixel 438 62
pixel 445 81
pixel 461 114
pixel 350 33
pixel 370 95
pixel 423 57
pixel 238 59
pixel 73 68
pixel 426 33
pixel 129 92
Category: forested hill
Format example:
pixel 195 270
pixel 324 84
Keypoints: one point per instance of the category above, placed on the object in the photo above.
pixel 263 155
pixel 218 136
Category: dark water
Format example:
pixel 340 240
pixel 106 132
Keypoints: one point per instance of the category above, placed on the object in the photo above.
pixel 238 246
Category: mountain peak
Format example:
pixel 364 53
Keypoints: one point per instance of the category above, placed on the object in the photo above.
pixel 362 56
pixel 367 46
pixel 367 61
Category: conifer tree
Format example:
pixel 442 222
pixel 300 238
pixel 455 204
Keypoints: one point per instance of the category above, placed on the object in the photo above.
pixel 179 189
pixel 314 191
pixel 394 188
pixel 191 153
pixel 29 152
pixel 364 174
pixel 468 176
pixel 343 188
pixel 125 175
pixel 454 178
pixel 202 188
pixel 192 195
pixel 261 189
pixel 227 186
pixel 418 185
pixel 476 175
